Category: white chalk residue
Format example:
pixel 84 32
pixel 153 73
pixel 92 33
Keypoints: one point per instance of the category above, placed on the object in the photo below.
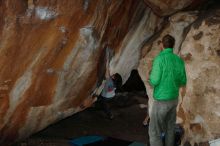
pixel 198 119
pixel 21 85
pixel 86 5
pixel 82 51
pixel 215 142
pixel 217 113
pixel 44 13
pixel 86 33
pixel 62 29
pixel 89 41
pixel 128 59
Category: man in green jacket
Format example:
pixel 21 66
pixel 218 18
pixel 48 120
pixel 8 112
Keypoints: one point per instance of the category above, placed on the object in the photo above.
pixel 167 77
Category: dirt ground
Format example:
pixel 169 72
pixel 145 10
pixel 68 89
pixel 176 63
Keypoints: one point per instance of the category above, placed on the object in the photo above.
pixel 126 125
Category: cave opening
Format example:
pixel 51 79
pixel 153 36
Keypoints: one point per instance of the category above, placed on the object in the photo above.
pixel 91 125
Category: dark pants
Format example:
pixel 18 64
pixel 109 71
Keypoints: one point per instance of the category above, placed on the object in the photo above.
pixel 105 105
pixel 162 120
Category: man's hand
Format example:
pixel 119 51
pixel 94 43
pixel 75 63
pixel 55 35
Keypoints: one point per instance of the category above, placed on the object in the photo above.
pixel 183 91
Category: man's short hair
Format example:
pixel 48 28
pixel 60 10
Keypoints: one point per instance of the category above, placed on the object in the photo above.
pixel 168 41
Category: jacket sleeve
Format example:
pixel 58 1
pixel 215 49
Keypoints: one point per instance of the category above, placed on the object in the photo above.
pixel 156 73
pixel 184 79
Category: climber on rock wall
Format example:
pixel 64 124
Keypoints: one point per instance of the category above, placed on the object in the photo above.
pixel 111 84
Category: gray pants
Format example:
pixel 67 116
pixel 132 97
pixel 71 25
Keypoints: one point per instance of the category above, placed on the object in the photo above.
pixel 162 120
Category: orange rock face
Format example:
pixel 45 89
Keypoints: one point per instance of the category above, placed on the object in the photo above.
pixel 50 57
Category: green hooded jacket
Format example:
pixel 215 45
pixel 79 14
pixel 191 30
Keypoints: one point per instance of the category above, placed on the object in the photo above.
pixel 167 75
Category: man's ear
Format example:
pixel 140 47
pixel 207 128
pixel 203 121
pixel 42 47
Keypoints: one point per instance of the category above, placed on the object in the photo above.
pixel 161 46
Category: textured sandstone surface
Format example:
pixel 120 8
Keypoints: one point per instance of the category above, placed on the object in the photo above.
pixel 53 57
pixel 197 42
pixel 168 7
pixel 200 108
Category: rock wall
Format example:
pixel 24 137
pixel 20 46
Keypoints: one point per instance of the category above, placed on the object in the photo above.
pixel 199 110
pixel 53 57
pixel 197 42
pixel 169 7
